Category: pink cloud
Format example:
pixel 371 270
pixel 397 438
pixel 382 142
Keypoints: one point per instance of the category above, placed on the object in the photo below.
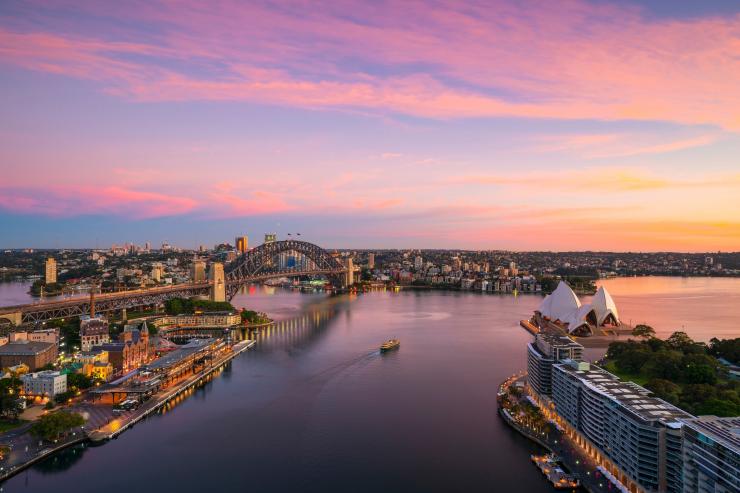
pixel 226 199
pixel 568 60
pixel 83 200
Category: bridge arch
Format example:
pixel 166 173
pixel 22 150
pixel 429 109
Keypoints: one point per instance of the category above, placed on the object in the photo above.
pixel 263 263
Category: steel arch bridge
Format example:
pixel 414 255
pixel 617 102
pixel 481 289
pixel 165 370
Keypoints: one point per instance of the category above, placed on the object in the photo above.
pixel 263 262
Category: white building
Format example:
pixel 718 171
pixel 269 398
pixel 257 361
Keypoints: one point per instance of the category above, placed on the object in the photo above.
pixel 564 307
pixel 46 383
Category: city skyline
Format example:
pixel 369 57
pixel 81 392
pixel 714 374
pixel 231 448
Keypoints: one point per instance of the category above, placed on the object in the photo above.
pixel 586 126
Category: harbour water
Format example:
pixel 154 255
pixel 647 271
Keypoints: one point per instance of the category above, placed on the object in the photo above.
pixel 315 406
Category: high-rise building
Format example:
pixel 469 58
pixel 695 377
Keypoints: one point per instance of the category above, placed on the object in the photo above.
pixel 241 243
pixel 371 260
pixel 198 271
pixel 349 264
pixel 418 262
pixel 51 271
pixel 270 237
pixel 635 436
pixel 147 246
pixel 542 353
pixel 711 455
pixel 157 272
pixel 216 276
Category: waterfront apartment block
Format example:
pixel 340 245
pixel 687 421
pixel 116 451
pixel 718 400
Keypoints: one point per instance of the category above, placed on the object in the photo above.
pixel 634 435
pixel 542 353
pixel 711 455
pixel 44 383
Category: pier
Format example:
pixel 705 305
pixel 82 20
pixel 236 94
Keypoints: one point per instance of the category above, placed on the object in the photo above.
pixel 119 425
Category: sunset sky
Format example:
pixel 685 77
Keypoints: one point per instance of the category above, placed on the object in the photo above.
pixel 569 125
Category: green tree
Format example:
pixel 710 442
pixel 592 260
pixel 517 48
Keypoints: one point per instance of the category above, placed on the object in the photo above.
pixel 53 425
pixel 78 381
pixel 728 349
pixel 680 341
pixel 643 331
pixel 665 389
pixel 63 397
pixel 717 407
pixel 633 360
pixel 698 374
pixel 616 349
pixel 664 365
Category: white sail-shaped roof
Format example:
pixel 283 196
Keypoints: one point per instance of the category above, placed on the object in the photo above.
pixel 544 307
pixel 578 318
pixel 563 303
pixel 604 305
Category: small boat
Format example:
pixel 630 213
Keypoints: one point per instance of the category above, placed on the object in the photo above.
pixel 390 345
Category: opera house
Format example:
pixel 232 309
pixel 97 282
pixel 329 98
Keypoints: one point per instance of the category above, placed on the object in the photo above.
pixel 564 309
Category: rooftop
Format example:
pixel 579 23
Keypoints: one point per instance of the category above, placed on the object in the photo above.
pixel 25 348
pixel 180 354
pixel 722 430
pixel 636 399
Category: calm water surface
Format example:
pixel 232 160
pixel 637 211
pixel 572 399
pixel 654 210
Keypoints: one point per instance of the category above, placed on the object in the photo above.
pixel 315 407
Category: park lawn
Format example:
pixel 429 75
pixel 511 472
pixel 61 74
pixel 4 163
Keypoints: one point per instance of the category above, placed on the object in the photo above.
pixel 7 425
pixel 638 379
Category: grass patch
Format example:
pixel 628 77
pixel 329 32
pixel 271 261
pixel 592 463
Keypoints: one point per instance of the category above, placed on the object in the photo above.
pixel 638 379
pixel 6 425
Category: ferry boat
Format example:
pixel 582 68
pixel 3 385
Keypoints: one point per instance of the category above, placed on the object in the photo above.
pixel 390 345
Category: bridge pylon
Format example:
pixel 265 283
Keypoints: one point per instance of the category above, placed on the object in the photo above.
pixel 218 282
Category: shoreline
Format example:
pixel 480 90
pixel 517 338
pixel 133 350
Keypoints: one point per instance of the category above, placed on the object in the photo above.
pixel 98 437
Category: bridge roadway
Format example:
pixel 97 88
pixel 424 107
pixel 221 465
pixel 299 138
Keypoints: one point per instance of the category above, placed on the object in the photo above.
pixel 104 302
pixel 255 265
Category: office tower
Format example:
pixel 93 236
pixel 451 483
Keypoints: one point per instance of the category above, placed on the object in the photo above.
pixel 350 270
pixel 241 243
pixel 157 272
pixel 370 260
pixel 51 271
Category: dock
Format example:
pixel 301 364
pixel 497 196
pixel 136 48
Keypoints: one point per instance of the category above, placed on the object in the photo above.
pixel 118 426
pixel 529 327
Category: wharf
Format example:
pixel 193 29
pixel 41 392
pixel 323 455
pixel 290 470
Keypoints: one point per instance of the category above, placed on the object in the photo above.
pixel 118 426
pixel 529 327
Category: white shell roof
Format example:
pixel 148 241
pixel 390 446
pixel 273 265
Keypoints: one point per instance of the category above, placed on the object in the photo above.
pixel 603 305
pixel 578 318
pixel 563 302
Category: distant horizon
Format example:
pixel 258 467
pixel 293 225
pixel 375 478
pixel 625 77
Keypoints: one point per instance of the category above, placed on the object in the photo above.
pixel 157 247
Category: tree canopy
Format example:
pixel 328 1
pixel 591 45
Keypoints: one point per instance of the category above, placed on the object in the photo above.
pixel 176 306
pixel 644 331
pixel 53 425
pixel 681 371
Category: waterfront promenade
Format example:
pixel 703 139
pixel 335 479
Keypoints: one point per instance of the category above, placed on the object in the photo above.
pixel 101 424
pixel 575 459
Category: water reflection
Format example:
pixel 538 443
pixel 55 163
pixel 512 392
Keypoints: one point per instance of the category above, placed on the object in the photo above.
pixel 63 460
